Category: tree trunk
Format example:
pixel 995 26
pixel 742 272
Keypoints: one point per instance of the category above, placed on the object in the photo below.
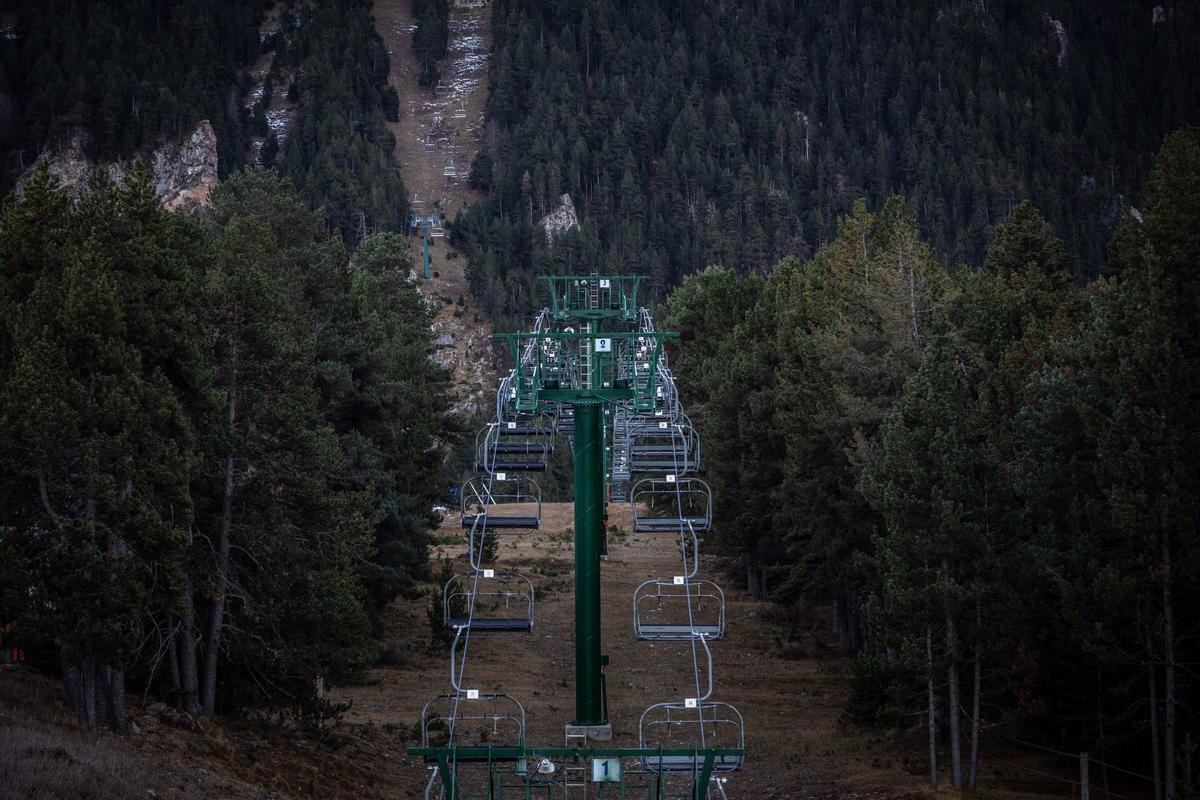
pixel 87 710
pixel 1155 745
pixel 976 689
pixel 217 616
pixel 751 580
pixel 953 701
pixel 189 695
pixel 1168 673
pixel 114 693
pixel 72 681
pixel 173 667
pixel 932 695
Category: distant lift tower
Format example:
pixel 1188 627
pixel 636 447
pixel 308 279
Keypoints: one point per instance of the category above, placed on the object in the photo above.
pixel 430 225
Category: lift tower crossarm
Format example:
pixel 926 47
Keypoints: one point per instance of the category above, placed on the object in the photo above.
pixel 588 297
pixel 546 371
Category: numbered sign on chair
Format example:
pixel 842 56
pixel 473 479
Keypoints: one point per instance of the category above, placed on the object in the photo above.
pixel 472 694
pixel 606 770
pixel 501 476
pixel 689 702
pixel 489 573
pixel 604 345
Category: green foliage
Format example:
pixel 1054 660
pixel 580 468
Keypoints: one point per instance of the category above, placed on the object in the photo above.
pixel 740 135
pixel 127 72
pixel 429 36
pixel 225 426
pixel 339 150
pixel 879 691
pixel 980 470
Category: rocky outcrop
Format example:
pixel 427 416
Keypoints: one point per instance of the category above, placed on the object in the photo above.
pixel 560 220
pixel 185 171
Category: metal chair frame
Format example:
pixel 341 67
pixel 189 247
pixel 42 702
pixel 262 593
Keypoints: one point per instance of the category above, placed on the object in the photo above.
pixel 651 494
pixel 701 593
pixel 708 715
pixel 475 622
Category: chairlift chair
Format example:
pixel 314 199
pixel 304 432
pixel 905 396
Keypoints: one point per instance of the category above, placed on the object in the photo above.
pixel 496 601
pixel 659 505
pixel 496 719
pixel 665 610
pixel 512 505
pixel 496 454
pixel 664 448
pixel 688 724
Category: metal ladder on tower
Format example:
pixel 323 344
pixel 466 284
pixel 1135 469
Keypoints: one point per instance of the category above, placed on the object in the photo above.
pixel 575 774
pixel 585 358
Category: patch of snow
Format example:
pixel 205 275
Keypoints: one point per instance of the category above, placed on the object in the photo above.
pixel 560 220
pixel 1060 33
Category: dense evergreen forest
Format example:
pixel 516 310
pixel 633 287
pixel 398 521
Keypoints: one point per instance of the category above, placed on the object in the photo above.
pixel 129 73
pixel 430 36
pixel 340 151
pixel 219 440
pixel 737 133
pixel 989 473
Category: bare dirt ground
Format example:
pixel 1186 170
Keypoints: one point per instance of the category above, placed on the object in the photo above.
pixel 441 129
pixel 795 745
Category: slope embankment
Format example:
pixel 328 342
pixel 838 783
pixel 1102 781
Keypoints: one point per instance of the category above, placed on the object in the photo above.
pixel 437 136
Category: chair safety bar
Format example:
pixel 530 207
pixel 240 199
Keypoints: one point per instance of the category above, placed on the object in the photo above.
pixel 687 724
pixel 657 505
pixel 668 610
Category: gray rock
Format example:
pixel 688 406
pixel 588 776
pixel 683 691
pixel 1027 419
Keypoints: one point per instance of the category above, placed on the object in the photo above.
pixel 185 171
pixel 145 723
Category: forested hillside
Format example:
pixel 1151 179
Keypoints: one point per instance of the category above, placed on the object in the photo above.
pixel 737 133
pixel 219 437
pixel 989 474
pixel 129 74
pixel 339 152
pixel 126 76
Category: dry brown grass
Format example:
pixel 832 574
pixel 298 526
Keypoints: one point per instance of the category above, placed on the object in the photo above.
pixel 45 754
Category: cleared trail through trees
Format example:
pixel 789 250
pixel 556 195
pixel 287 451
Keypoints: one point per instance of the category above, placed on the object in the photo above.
pixel 432 134
pixel 795 746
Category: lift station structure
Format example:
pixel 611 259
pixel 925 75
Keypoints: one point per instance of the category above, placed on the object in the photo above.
pixel 592 370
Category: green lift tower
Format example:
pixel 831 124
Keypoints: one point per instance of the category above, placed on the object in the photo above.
pixel 591 369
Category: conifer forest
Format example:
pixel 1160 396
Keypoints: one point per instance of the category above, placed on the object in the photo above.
pixel 925 277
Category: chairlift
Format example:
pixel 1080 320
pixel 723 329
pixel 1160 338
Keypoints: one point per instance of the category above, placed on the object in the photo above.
pixel 664 447
pixel 660 505
pixel 691 724
pixel 496 454
pixel 668 610
pixel 496 602
pixel 501 506
pixel 489 719
pixel 460 112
